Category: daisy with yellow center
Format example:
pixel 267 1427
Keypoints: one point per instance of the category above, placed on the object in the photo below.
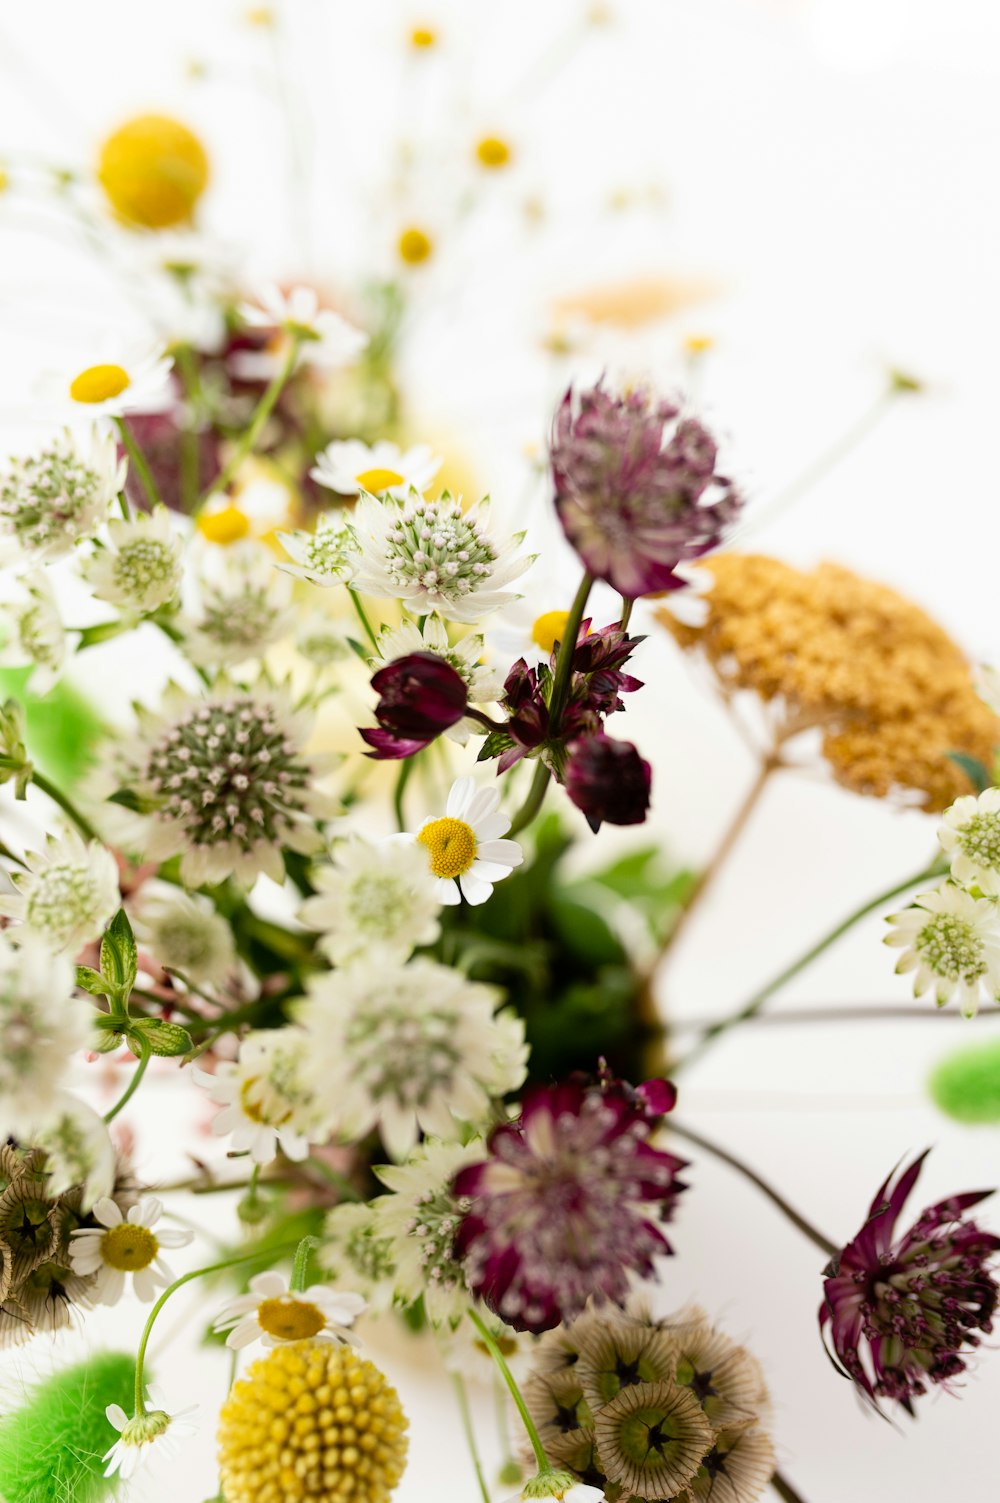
pixel 153 1431
pixel 153 170
pixel 464 847
pixel 493 152
pixel 119 1247
pixel 266 1105
pixel 382 469
pixel 423 38
pixel 129 380
pixel 273 1313
pixel 325 339
pixel 414 245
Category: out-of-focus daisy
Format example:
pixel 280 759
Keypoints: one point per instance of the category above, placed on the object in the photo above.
pixel 125 1245
pixel 326 339
pixel 466 853
pixel 382 469
pixel 124 380
pixel 970 835
pixel 376 901
pixel 273 1313
pixel 38 637
pixel 951 942
pixel 268 1103
pixel 143 1434
pixel 184 932
pixel 42 1024
pixel 53 498
pixel 324 557
pixel 464 656
pixel 66 893
pixel 141 569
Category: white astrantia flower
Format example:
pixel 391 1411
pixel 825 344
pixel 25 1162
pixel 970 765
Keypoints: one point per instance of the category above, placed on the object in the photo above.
pixel 970 835
pixel 78 1149
pixel 419 1221
pixel 38 637
pixel 322 640
pixel 327 340
pixel 435 555
pixel 326 556
pixel 274 1314
pixel 142 567
pixel 407 1049
pixel 382 469
pixel 126 379
pixel 125 1245
pixel 226 781
pixel 267 1096
pixel 52 499
pixel 244 610
pixel 464 656
pixel 951 941
pixel 377 901
pixel 184 932
pixel 42 1024
pixel 464 847
pixel 66 894
pixel 145 1436
pixel 353 1254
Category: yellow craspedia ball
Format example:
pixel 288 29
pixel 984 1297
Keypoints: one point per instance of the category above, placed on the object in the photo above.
pixel 153 170
pixel 311 1420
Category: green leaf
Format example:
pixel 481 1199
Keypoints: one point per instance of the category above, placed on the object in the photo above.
pixel 160 1038
pixel 494 745
pixel 119 955
pixel 92 981
pixel 966 1085
pixel 973 769
pixel 126 799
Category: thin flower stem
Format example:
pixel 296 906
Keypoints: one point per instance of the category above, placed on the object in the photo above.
pixel 756 1002
pixel 124 507
pixel 470 1434
pixel 827 1247
pixel 534 800
pixel 405 773
pixel 363 617
pixel 503 1428
pixel 626 614
pixel 139 462
pixel 247 441
pixel 145 1055
pixel 301 1265
pixel 785 1490
pixel 544 1464
pixel 338 1181
pixel 66 805
pixel 864 1012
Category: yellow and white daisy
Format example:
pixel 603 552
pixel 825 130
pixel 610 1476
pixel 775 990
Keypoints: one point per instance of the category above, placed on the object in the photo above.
pixel 140 1436
pixel 124 379
pixel 65 894
pixel 466 853
pixel 142 567
pixel 267 1103
pixel 326 339
pixel 274 1314
pixel 121 1246
pixel 382 469
pixel 52 499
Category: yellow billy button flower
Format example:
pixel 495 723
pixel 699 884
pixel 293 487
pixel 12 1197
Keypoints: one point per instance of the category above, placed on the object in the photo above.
pixel 464 845
pixel 153 170
pixel 415 246
pixel 492 152
pixel 548 629
pixel 227 525
pixel 312 1421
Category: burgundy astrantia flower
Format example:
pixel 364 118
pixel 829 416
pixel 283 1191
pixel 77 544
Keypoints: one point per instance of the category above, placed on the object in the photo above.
pixel 636 487
pixel 564 1206
pixel 901 1312
pixel 608 781
pixel 420 696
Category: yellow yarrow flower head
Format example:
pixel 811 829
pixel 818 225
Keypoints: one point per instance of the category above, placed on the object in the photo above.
pixel 153 170
pixel 312 1420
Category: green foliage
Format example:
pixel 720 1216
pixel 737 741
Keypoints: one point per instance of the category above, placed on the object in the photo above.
pixel 966 1084
pixel 62 729
pixel 974 770
pixel 160 1038
pixel 119 955
pixel 51 1447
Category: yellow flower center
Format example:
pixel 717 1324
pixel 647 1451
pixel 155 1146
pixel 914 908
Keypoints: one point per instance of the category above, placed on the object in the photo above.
pixel 548 629
pixel 452 846
pixel 129 1248
pixel 423 36
pixel 378 480
pixel 4 180
pixel 698 344
pixel 254 1109
pixel 290 1319
pixel 98 383
pixel 153 170
pixel 492 152
pixel 415 246
pixel 227 525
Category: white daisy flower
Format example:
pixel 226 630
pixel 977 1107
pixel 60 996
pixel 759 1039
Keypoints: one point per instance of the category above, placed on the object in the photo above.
pixel 327 339
pixel 140 1436
pixel 466 854
pixel 66 894
pixel 227 782
pixel 244 610
pixel 465 657
pixel 382 469
pixel 142 568
pixel 78 1149
pixel 122 1246
pixel 351 1252
pixel 434 554
pixel 267 1098
pixel 970 835
pixel 125 379
pixel 184 932
pixel 42 1024
pixel 271 1312
pixel 38 637
pixel 951 941
pixel 52 499
pixel 562 1487
pixel 464 1352
pixel 378 901
pixel 407 1049
pixel 324 557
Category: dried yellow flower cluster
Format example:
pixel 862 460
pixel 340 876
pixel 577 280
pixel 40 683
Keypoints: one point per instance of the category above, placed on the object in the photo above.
pixel 891 691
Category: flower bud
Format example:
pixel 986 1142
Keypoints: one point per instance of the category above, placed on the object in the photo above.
pixel 608 780
pixel 421 696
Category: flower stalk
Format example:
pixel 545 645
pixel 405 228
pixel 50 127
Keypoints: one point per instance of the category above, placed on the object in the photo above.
pixel 544 1465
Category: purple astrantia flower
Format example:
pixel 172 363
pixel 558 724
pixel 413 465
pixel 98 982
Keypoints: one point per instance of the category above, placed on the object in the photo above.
pixel 527 713
pixel 900 1312
pixel 563 1209
pixel 608 781
pixel 420 696
pixel 636 488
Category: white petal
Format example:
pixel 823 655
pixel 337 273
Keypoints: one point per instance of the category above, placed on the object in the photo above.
pixel 474 890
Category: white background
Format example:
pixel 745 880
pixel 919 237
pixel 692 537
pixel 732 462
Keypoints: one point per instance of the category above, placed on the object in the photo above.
pixel 829 167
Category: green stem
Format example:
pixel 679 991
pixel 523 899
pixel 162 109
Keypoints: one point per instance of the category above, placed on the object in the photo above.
pixel 785 1490
pixel 338 1181
pixel 534 800
pixel 248 438
pixel 544 1464
pixel 145 1056
pixel 756 1002
pixel 470 1434
pixel 124 507
pixel 397 798
pixel 189 440
pixel 362 617
pixel 301 1265
pixel 139 462
pixel 626 614
pixel 66 805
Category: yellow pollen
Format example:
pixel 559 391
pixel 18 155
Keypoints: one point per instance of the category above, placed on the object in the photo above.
pixel 415 246
pixel 129 1248
pixel 492 152
pixel 98 383
pixel 227 525
pixel 290 1319
pixel 254 1110
pixel 548 629
pixel 423 36
pixel 378 480
pixel 452 846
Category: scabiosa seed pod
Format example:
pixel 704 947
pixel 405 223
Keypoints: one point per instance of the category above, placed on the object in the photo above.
pixel 902 1312
pixel 420 696
pixel 636 488
pixel 608 780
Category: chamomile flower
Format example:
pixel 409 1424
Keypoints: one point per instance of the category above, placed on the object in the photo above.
pixel 377 901
pixel 41 1025
pixel 78 1149
pixel 435 554
pixel 38 636
pixel 268 1101
pixel 970 835
pixel 324 557
pixel 154 1430
pixel 465 657
pixel 382 469
pixel 50 500
pixel 125 1245
pixel 184 932
pixel 124 380
pixel 325 338
pixel 466 853
pixel 66 894
pixel 273 1313
pixel 951 941
pixel 141 569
